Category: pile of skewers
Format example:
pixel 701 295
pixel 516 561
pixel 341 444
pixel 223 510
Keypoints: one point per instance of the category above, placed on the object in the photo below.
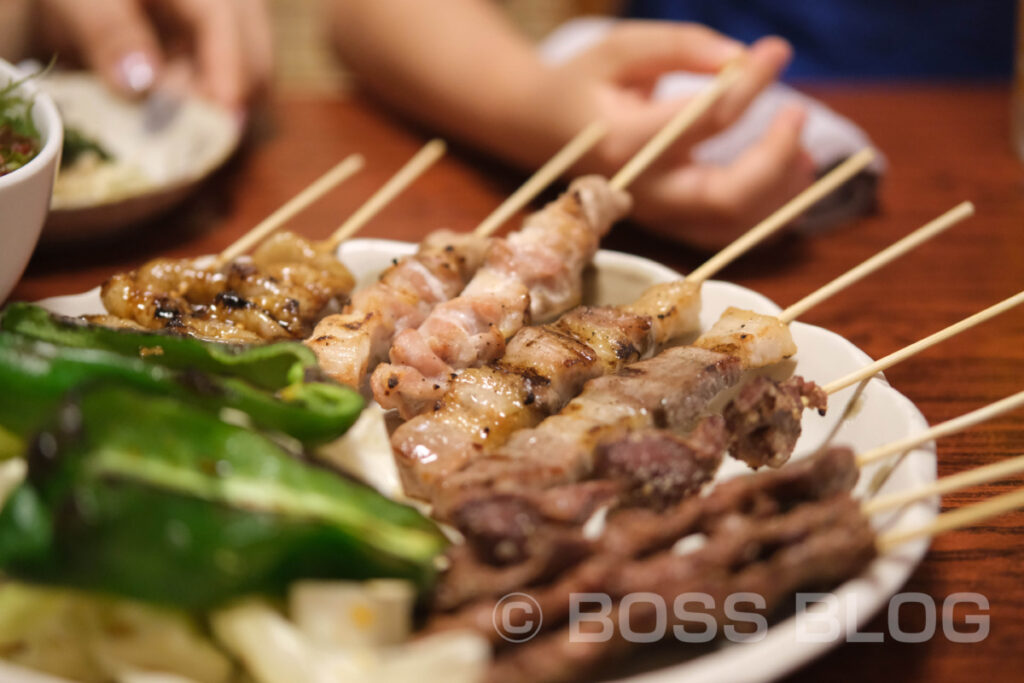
pixel 530 420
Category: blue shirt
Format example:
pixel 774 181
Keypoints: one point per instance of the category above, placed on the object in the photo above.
pixel 867 39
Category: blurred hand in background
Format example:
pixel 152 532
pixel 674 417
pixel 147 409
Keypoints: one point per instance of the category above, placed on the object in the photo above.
pixel 222 49
pixel 462 68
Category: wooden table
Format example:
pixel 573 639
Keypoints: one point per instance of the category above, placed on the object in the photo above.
pixel 944 144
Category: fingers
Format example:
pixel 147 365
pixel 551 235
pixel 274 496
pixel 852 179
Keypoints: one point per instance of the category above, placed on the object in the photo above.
pixel 635 119
pixel 114 38
pixel 219 57
pixel 709 206
pixel 636 52
pixel 257 37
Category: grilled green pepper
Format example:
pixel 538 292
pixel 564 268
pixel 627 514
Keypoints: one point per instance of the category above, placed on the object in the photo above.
pixel 269 366
pixel 36 375
pixel 150 498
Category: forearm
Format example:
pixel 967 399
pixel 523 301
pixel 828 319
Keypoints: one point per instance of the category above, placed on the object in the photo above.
pixel 457 65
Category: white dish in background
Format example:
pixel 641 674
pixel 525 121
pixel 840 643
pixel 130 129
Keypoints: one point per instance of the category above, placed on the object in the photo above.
pixel 881 415
pixel 25 192
pixel 153 170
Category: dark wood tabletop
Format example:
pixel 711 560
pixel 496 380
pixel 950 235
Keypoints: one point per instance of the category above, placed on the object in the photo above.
pixel 944 144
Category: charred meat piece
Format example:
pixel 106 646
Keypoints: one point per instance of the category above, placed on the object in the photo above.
pixel 764 419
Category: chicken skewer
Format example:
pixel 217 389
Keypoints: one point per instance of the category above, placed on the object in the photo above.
pixel 277 293
pixel 534 275
pixel 350 344
pixel 589 341
pixel 431 452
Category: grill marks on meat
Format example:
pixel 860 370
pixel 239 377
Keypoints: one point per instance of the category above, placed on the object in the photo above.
pixel 756 339
pixel 533 274
pixel 764 419
pixel 772 533
pixel 667 391
pixel 350 344
pixel 277 294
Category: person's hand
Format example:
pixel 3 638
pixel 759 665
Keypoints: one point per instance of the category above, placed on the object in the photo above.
pixel 224 46
pixel 704 205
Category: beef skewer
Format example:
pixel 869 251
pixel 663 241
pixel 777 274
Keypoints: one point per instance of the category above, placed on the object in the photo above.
pixel 444 461
pixel 534 275
pixel 771 533
pixel 351 343
pixel 278 293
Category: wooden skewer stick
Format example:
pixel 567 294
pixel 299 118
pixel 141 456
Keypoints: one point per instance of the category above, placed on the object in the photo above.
pixel 979 475
pixel 691 111
pixel 948 521
pixel 324 184
pixel 413 169
pixel 796 206
pixel 953 426
pixel 908 243
pixel 545 175
pixel 926 343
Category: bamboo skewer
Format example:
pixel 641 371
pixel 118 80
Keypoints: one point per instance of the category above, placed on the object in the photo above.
pixel 545 175
pixel 979 475
pixel 923 344
pixel 405 176
pixel 325 183
pixel 943 429
pixel 948 521
pixel 911 241
pixel 796 206
pixel 693 110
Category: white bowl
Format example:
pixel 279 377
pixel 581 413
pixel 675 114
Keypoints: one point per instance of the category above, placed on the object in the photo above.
pixel 25 193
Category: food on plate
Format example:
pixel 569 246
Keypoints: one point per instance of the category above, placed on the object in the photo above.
pixel 279 292
pixel 215 502
pixel 148 456
pixel 772 533
pixel 78 145
pixel 533 274
pixel 442 454
pixel 19 137
pixel 351 343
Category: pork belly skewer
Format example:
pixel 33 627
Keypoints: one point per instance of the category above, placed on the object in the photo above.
pixel 772 533
pixel 430 452
pixel 535 274
pixel 350 344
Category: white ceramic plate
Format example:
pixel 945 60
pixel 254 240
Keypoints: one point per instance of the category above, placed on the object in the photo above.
pixel 156 169
pixel 881 415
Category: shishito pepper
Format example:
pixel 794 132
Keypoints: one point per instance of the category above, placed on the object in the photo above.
pixel 36 375
pixel 150 498
pixel 269 366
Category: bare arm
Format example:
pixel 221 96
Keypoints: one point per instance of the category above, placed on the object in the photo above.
pixel 459 66
pixel 456 64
